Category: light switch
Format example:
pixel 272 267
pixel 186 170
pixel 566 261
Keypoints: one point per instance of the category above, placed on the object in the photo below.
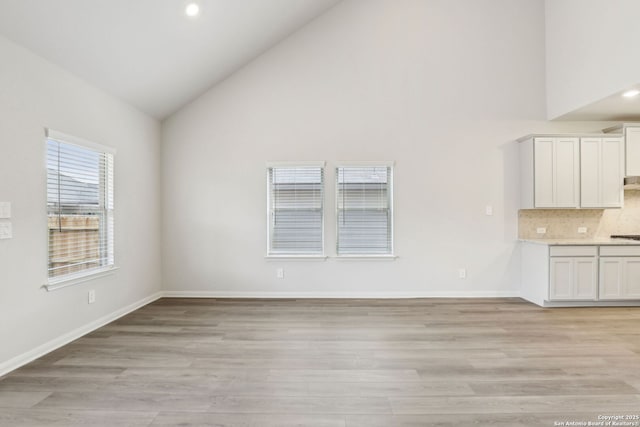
pixel 6 231
pixel 488 210
pixel 5 210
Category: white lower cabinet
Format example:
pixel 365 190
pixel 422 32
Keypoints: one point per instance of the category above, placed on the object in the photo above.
pixel 558 275
pixel 619 278
pixel 573 278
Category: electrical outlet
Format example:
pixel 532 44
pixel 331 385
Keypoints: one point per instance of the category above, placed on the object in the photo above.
pixel 462 273
pixel 541 230
pixel 488 210
pixel 582 230
pixel 280 273
pixel 92 296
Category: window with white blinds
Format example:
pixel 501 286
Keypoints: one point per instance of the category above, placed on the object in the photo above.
pixel 295 210
pixel 365 214
pixel 79 207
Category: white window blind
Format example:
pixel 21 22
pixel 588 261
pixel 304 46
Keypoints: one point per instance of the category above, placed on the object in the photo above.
pixel 364 204
pixel 79 209
pixel 295 209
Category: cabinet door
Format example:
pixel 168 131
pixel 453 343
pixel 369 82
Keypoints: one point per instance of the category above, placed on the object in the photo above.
pixel 585 285
pixel 601 176
pixel 556 172
pixel 610 286
pixel 567 172
pixel 611 173
pixel 543 150
pixel 632 143
pixel 590 173
pixel 572 278
pixel 631 278
pixel 561 280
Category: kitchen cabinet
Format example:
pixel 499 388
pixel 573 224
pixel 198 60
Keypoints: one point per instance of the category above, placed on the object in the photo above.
pixel 573 277
pixel 576 274
pixel 631 134
pixel 619 274
pixel 601 172
pixel 550 172
pixel 632 148
pixel 572 171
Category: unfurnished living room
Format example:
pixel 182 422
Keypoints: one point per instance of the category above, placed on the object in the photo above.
pixel 334 213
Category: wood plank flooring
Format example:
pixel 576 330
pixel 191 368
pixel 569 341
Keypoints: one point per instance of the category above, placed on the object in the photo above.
pixel 342 363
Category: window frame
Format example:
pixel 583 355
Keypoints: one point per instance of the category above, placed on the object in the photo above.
pixel 57 282
pixel 355 164
pixel 294 255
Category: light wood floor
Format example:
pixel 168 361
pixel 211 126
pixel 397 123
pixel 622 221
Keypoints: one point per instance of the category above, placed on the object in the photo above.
pixel 498 362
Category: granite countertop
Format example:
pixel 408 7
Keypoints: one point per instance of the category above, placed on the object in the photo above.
pixel 583 242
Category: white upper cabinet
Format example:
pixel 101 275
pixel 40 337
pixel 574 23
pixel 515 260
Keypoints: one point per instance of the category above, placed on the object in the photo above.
pixel 544 161
pixel 567 170
pixel 550 172
pixel 632 141
pixel 601 172
pixel 572 171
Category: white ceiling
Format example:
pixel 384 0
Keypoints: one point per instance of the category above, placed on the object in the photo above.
pixel 148 52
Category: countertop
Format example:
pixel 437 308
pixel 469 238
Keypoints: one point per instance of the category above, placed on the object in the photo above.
pixel 582 242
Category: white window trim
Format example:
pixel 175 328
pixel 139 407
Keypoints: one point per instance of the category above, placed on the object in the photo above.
pixel 70 139
pixel 320 164
pixel 359 163
pixel 389 257
pixel 55 283
pixel 304 164
pixel 388 164
pixel 81 277
pixel 297 257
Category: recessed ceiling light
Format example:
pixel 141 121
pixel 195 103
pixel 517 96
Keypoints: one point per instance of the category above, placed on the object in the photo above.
pixel 192 10
pixel 631 93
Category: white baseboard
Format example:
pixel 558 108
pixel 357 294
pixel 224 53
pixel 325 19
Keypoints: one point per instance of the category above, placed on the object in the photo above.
pixel 56 343
pixel 356 295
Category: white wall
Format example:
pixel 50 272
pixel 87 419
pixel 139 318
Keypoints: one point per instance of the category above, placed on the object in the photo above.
pixel 35 94
pixel 441 87
pixel 591 51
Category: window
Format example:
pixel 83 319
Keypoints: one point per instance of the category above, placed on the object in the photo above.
pixel 365 215
pixel 79 207
pixel 295 210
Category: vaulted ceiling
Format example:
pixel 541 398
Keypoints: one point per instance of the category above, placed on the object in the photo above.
pixel 148 52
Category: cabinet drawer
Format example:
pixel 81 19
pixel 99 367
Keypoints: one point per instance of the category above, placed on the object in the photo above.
pixel 573 250
pixel 631 250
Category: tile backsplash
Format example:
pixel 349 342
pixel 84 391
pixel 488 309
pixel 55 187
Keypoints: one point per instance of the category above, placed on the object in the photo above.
pixel 564 223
